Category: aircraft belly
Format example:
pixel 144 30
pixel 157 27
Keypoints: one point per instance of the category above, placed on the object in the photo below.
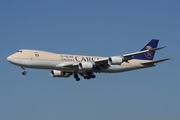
pixel 42 64
pixel 37 64
pixel 56 65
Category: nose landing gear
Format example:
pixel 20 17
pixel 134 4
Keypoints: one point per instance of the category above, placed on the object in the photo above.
pixel 24 72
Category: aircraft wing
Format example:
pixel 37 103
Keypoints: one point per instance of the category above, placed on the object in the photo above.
pixel 104 62
pixel 129 56
pixel 71 65
pixel 142 52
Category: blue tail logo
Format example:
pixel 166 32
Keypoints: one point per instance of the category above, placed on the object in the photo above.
pixel 149 55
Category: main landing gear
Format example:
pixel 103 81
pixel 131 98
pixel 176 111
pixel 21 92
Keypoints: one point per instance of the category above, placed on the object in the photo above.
pixel 87 76
pixel 76 77
pixel 24 72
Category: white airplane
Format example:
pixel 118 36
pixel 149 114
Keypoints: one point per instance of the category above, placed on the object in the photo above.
pixel 65 65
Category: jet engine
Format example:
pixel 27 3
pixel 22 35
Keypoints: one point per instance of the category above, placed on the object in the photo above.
pixel 85 66
pixel 116 60
pixel 58 73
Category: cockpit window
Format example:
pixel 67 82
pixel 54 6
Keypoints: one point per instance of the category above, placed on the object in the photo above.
pixel 19 51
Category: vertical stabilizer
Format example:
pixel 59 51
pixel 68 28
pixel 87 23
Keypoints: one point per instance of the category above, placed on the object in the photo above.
pixel 150 55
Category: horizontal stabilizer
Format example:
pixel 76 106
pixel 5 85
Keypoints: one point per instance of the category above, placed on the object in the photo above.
pixel 155 61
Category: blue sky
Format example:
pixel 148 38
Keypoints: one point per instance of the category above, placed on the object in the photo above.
pixel 96 27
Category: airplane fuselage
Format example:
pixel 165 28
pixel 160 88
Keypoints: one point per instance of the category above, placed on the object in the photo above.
pixel 47 60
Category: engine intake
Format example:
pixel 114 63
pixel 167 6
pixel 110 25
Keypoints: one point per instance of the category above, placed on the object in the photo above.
pixel 116 60
pixel 58 73
pixel 85 66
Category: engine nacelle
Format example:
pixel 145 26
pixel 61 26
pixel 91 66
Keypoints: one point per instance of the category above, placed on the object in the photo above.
pixel 116 60
pixel 85 66
pixel 57 73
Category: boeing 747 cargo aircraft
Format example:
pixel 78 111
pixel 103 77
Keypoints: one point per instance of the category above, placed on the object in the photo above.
pixel 65 65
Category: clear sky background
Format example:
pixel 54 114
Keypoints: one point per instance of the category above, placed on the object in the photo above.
pixel 90 27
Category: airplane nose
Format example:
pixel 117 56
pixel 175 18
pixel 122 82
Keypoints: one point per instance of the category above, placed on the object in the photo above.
pixel 9 58
pixel 13 59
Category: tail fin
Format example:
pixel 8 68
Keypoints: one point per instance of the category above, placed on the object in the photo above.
pixel 150 55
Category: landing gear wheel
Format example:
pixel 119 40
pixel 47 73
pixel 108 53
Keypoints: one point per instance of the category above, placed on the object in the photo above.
pixel 24 73
pixel 88 77
pixel 77 79
pixel 93 76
